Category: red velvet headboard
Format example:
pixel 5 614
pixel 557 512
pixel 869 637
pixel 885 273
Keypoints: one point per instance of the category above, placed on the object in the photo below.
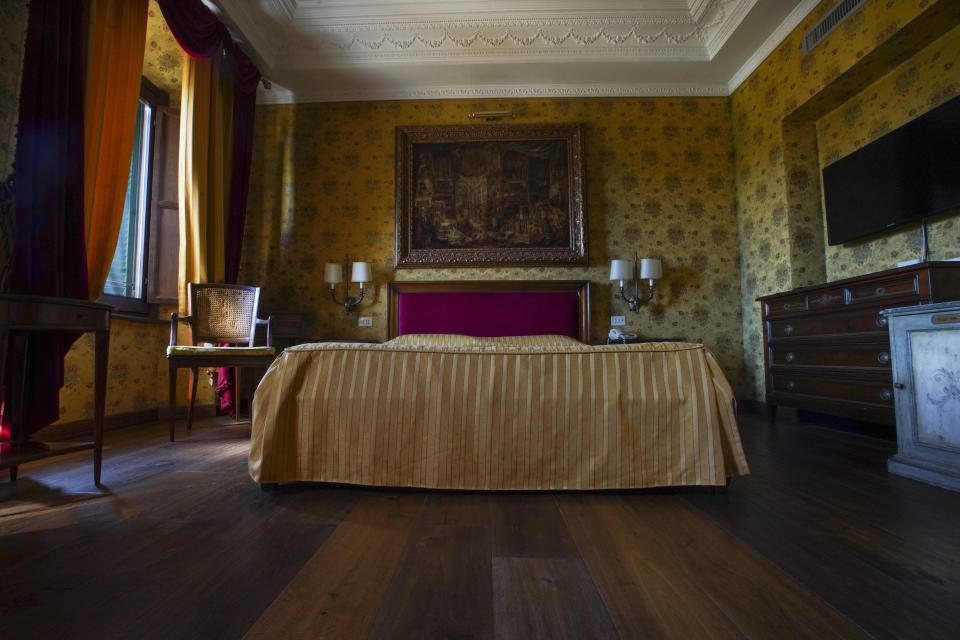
pixel 490 308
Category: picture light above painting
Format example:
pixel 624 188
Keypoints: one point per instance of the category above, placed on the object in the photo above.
pixel 490 195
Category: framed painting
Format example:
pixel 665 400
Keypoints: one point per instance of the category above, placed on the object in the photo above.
pixel 490 195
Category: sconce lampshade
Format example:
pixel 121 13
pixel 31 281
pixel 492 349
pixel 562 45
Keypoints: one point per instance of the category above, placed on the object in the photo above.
pixel 621 270
pixel 333 273
pixel 361 272
pixel 650 269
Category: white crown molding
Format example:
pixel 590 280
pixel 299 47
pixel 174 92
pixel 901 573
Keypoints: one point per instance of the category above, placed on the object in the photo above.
pixel 280 95
pixel 698 8
pixel 311 60
pixel 288 8
pixel 783 30
pixel 477 33
pixel 325 11
pixel 264 36
pixel 727 25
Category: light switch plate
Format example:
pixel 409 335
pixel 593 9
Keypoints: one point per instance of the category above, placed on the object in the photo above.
pixel 618 321
pixel 366 321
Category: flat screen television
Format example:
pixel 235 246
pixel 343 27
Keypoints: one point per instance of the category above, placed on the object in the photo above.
pixel 906 175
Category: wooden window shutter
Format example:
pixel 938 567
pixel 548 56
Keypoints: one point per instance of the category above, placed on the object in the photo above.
pixel 164 249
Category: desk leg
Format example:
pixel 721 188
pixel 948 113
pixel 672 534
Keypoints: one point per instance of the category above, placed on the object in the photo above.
pixel 101 355
pixel 173 399
pixel 3 369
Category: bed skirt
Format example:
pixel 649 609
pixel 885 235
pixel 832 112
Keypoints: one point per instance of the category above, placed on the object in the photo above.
pixel 540 418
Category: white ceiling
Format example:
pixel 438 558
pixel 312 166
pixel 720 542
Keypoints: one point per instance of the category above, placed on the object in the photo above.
pixel 324 50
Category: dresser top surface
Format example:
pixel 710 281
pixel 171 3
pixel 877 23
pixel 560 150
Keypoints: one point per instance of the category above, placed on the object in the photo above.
pixel 878 275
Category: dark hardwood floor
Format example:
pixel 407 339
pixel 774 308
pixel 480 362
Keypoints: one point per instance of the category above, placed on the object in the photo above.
pixel 818 542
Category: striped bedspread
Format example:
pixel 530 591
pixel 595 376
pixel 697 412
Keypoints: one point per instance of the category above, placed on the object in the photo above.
pixel 466 413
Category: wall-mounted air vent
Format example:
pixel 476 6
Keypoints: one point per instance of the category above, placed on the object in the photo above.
pixel 828 23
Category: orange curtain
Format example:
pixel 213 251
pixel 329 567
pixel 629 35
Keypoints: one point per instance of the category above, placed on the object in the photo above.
pixel 117 32
pixel 206 113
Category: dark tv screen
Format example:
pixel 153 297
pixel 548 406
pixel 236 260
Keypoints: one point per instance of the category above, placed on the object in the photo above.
pixel 910 173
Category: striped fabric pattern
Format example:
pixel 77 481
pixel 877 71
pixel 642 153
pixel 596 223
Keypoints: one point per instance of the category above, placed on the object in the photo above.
pixel 481 417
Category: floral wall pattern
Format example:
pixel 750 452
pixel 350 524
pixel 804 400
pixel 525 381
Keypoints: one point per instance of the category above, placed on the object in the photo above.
pixel 13 25
pixel 658 181
pixel 777 162
pixel 162 57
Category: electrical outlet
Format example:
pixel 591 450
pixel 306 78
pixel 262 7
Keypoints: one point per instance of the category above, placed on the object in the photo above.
pixel 618 321
pixel 366 321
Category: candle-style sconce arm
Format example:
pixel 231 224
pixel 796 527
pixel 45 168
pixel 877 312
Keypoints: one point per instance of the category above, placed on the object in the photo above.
pixel 349 303
pixel 636 300
pixel 334 273
pixel 649 269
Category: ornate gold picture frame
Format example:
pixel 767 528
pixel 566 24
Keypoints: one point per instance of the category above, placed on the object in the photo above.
pixel 490 195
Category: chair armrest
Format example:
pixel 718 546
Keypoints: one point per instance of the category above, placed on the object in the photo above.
pixel 266 322
pixel 173 326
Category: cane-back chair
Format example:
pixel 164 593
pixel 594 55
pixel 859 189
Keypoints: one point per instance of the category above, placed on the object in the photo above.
pixel 218 314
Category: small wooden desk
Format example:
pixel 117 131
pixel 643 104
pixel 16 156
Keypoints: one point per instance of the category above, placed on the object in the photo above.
pixel 21 314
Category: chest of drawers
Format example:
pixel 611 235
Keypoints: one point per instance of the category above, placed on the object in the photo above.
pixel 827 348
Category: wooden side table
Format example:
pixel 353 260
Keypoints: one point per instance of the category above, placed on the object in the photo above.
pixel 19 315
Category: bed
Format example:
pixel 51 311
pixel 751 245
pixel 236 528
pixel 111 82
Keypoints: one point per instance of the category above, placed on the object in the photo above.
pixel 490 386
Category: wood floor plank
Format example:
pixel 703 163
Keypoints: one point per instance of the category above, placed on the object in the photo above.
pixel 443 584
pixel 753 592
pixel 338 592
pixel 647 593
pixel 183 544
pixel 548 599
pixel 529 525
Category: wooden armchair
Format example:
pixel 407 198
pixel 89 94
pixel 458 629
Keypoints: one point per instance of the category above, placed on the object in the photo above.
pixel 219 313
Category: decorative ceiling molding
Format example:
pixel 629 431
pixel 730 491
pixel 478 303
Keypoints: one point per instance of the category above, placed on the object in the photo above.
pixel 801 11
pixel 369 38
pixel 280 95
pixel 726 26
pixel 408 49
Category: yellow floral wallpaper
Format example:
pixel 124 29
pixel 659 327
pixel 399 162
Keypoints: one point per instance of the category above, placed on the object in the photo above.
pixel 137 373
pixel 658 181
pixel 777 163
pixel 923 82
pixel 163 57
pixel 13 25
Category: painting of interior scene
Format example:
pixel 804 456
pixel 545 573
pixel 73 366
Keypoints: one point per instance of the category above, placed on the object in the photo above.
pixel 505 194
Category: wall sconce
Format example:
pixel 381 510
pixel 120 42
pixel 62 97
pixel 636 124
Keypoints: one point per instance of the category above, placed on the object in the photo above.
pixel 650 269
pixel 333 274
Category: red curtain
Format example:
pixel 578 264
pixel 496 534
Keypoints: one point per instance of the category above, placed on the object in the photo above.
pixel 200 34
pixel 49 252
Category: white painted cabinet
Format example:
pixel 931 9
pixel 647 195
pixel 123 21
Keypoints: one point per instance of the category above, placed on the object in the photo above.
pixel 925 346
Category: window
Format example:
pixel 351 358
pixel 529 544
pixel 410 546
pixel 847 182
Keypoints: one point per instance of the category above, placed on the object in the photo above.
pixel 126 271
pixel 140 273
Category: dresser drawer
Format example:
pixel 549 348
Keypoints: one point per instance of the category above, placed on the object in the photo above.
pixel 874 391
pixel 906 286
pixel 865 321
pixel 786 306
pixel 829 299
pixel 831 356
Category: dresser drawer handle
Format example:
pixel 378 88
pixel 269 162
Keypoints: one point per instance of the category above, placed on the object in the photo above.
pixel 790 357
pixel 880 291
pixel 883 357
pixel 791 385
pixel 881 321
pixel 788 329
pixel 885 394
